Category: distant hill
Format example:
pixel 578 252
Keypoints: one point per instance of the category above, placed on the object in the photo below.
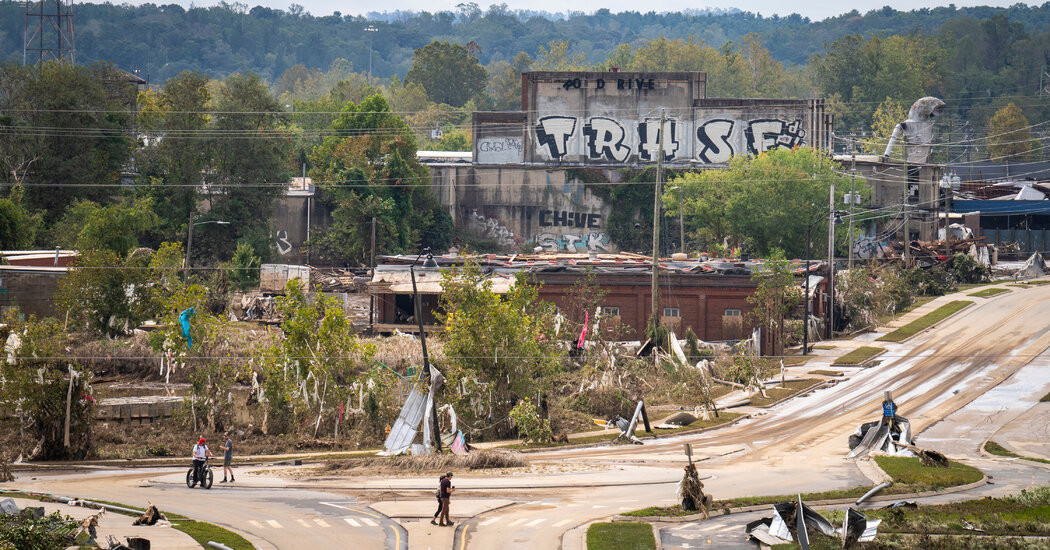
pixel 163 40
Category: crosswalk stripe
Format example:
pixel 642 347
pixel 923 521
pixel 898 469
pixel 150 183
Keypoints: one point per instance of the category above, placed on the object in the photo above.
pixel 596 506
pixel 273 523
pixel 369 522
pixel 562 522
pixel 255 523
pixel 685 526
pixel 517 521
pixel 321 522
pixel 302 522
pixel 489 521
pixel 352 521
pixel 535 522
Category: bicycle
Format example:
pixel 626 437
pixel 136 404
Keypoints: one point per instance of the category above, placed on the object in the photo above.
pixel 206 473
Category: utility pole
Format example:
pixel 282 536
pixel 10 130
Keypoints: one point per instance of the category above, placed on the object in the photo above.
pixel 831 260
pixel 947 193
pixel 907 204
pixel 852 200
pixel 655 289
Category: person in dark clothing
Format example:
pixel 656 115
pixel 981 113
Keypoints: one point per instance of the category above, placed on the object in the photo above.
pixel 434 521
pixel 445 493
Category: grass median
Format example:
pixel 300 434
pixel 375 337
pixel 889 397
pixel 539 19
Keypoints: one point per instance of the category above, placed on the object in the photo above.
pixel 779 393
pixel 858 356
pixel 988 292
pixel 998 450
pixel 621 536
pixel 723 418
pixel 925 322
pixel 908 474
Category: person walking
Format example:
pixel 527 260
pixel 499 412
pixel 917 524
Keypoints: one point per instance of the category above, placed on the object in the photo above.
pixel 438 494
pixel 227 459
pixel 445 493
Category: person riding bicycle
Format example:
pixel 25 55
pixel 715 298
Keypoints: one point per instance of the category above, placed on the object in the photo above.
pixel 200 454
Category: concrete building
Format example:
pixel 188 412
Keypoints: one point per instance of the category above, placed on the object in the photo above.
pixel 531 178
pixel 707 296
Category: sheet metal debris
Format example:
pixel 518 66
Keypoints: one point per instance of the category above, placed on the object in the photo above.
pixel 795 521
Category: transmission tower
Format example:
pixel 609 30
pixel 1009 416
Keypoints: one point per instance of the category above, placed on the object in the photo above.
pixel 49 32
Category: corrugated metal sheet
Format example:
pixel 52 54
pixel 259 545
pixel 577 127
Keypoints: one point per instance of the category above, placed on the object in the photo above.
pixel 399 281
pixel 407 424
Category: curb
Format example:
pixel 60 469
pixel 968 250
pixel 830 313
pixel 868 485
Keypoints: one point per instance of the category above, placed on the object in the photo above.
pixel 828 502
pixel 644 438
pixel 927 329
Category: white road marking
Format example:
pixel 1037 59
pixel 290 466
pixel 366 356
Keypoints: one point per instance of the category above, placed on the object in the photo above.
pixel 684 526
pixel 255 523
pixel 303 523
pixel 369 522
pixel 489 521
pixel 535 522
pixel 321 522
pixel 273 523
pixel 596 506
pixel 562 522
pixel 352 521
pixel 517 521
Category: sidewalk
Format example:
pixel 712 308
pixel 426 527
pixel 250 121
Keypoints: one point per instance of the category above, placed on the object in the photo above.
pixel 119 526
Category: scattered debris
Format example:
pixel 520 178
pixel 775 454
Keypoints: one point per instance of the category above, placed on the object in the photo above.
pixel 874 491
pixel 90 524
pixel 8 507
pixel 1035 266
pixel 677 420
pixel 787 524
pixel 901 504
pixel 150 517
pixel 891 434
pixel 691 489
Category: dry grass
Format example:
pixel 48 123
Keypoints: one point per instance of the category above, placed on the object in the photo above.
pixel 477 460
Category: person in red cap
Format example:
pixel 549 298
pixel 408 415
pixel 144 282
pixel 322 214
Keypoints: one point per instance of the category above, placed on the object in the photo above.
pixel 200 453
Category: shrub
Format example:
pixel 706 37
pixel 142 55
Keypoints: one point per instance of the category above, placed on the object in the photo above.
pixel 531 426
pixel 967 270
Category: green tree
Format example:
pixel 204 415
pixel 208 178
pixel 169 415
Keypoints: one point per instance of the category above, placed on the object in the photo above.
pixel 248 172
pixel 498 349
pixel 117 227
pixel 172 161
pixel 886 117
pixel 760 202
pixel 556 57
pixel 1010 135
pixel 83 160
pixel 18 225
pixel 243 271
pixel 505 84
pixel 448 72
pixel 373 172
pixel 107 292
pixel 776 291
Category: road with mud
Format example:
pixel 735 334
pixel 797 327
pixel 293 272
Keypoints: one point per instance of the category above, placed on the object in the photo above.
pixel 936 378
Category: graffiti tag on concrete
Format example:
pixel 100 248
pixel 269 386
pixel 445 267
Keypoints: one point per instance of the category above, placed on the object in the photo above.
pixel 490 228
pixel 571 242
pixel 561 218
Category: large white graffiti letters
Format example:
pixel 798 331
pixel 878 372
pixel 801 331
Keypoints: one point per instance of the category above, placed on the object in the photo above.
pixel 284 246
pixel 765 134
pixel 649 139
pixel 714 141
pixel 554 132
pixel 572 242
pixel 605 139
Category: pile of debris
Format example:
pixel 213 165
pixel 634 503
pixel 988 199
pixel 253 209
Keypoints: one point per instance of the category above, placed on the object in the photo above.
pixel 930 253
pixel 891 435
pixel 341 280
pixel 794 520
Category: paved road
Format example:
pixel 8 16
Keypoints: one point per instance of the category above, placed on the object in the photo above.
pixel 795 447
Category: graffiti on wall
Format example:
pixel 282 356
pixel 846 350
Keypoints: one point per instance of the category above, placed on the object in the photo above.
pixel 490 228
pixel 284 245
pixel 606 139
pixel 562 218
pixel 499 150
pixel 572 242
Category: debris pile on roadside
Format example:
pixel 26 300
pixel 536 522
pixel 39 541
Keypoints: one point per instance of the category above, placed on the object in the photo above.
pixel 891 435
pixel 793 521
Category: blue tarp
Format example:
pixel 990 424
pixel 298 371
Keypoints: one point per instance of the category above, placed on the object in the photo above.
pixel 1001 208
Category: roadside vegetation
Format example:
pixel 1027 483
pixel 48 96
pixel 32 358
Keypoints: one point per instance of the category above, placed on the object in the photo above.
pixel 620 536
pixel 858 356
pixel 998 450
pixel 925 322
pixel 908 474
pixel 988 292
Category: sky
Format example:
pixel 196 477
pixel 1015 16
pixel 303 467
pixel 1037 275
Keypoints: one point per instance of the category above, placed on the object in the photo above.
pixel 814 10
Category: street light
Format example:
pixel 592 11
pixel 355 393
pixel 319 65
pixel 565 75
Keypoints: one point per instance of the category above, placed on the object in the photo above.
pixel 370 29
pixel 805 316
pixel 429 263
pixel 189 242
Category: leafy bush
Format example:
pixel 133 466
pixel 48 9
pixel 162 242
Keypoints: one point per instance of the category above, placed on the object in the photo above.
pixel 967 270
pixel 531 427
pixel 27 533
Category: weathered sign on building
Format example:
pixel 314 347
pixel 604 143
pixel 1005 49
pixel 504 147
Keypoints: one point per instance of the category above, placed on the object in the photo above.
pixel 613 118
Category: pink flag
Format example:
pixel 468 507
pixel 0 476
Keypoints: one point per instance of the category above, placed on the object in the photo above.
pixel 583 333
pixel 459 447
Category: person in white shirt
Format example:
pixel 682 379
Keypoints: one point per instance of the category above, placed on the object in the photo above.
pixel 200 453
